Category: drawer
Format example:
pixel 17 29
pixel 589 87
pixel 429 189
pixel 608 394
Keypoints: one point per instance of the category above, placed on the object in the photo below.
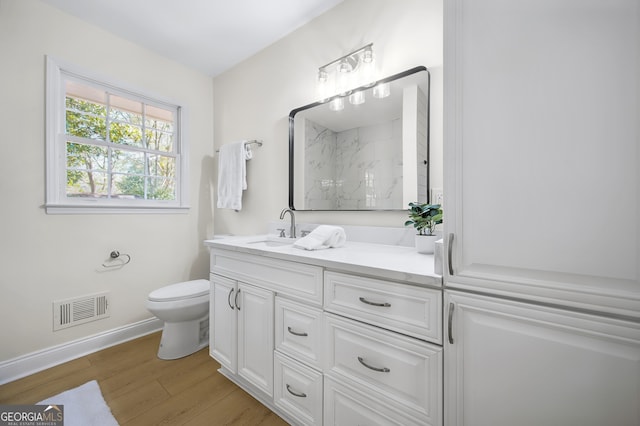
pixel 298 390
pixel 414 311
pixel 297 280
pixel 345 405
pixel 298 331
pixel 401 368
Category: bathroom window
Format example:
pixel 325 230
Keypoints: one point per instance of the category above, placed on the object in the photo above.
pixel 110 149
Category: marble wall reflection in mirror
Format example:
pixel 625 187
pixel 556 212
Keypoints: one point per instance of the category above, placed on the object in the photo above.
pixel 371 156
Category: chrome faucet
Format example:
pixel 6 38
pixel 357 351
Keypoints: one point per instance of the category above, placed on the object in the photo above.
pixel 292 232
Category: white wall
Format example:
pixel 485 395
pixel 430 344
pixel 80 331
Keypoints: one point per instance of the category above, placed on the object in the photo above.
pixel 49 257
pixel 253 99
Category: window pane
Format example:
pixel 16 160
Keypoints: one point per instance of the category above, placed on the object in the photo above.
pixel 86 170
pixel 161 188
pixel 78 90
pixel 159 141
pixel 128 186
pixel 162 166
pixel 164 117
pixel 85 119
pixel 87 184
pixel 125 134
pixel 127 162
pixel 125 110
pixel 161 125
pixel 86 157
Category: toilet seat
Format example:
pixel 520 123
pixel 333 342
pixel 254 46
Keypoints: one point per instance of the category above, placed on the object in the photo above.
pixel 180 291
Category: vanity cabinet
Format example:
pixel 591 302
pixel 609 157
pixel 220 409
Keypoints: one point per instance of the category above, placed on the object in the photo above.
pixel 321 345
pixel 243 331
pixel 266 319
pixel 514 363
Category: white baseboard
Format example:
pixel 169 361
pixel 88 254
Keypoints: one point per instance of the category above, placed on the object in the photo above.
pixel 33 362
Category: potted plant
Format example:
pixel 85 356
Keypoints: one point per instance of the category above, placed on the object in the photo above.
pixel 424 217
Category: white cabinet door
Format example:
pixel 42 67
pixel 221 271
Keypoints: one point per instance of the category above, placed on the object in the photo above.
pixel 223 324
pixel 542 150
pixel 255 336
pixel 510 363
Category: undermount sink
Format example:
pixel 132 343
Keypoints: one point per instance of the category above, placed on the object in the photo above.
pixel 273 241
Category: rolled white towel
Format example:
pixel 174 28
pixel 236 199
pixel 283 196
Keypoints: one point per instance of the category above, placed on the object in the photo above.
pixel 323 237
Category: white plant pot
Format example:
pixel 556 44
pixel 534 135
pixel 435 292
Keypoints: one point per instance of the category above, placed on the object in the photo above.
pixel 426 243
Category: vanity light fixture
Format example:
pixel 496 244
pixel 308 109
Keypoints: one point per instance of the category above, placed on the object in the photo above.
pixel 342 75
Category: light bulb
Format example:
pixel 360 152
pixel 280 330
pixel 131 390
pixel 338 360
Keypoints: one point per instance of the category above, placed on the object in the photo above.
pixel 367 55
pixel 322 75
pixel 356 98
pixel 344 66
pixel 381 90
pixel 336 104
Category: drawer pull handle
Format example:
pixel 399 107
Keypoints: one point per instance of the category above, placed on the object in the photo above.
pixel 229 299
pixel 384 305
pixel 299 395
pixel 295 333
pixel 235 300
pixel 381 370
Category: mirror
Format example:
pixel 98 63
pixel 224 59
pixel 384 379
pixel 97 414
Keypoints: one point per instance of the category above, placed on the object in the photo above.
pixel 369 156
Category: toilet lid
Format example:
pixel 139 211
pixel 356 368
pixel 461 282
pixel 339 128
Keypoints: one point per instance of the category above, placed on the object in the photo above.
pixel 183 290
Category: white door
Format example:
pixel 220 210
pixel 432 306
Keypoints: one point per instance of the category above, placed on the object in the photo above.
pixel 255 336
pixel 223 325
pixel 509 363
pixel 542 150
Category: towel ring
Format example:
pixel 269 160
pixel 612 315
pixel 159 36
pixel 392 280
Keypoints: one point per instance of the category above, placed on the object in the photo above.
pixel 115 255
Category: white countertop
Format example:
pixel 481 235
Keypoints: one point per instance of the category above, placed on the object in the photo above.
pixel 398 263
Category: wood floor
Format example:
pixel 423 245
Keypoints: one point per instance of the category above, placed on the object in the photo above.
pixel 142 390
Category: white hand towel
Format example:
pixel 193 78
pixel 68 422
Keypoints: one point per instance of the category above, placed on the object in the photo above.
pixel 323 237
pixel 232 174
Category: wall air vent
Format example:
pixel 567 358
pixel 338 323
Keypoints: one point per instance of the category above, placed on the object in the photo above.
pixel 80 310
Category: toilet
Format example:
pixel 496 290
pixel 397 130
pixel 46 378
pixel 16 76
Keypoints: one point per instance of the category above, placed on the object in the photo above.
pixel 184 308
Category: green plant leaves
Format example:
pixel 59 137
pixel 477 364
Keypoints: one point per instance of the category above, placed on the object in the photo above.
pixel 424 216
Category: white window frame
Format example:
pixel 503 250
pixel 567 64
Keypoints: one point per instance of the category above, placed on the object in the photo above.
pixel 57 201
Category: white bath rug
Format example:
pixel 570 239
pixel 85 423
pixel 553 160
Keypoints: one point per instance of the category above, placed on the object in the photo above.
pixel 83 406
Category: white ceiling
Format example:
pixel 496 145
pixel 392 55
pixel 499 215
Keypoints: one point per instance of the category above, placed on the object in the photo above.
pixel 209 35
